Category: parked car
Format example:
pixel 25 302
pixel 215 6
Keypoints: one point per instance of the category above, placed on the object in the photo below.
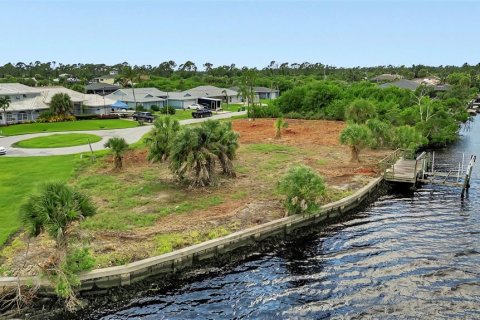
pixel 195 106
pixel 3 151
pixel 202 113
pixel 143 116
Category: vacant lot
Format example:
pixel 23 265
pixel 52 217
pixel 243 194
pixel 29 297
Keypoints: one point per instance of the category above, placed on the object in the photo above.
pixel 58 141
pixel 81 125
pixel 143 212
pixel 19 177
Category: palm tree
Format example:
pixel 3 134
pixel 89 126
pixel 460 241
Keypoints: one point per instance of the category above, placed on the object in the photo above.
pixel 223 143
pixel 191 152
pixel 53 209
pixel 357 137
pixel 161 137
pixel 279 124
pixel 360 110
pixel 61 104
pixel 128 76
pixel 5 104
pixel 118 147
pixel 226 96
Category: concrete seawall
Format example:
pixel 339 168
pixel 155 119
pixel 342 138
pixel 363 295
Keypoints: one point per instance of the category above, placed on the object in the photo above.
pixel 102 279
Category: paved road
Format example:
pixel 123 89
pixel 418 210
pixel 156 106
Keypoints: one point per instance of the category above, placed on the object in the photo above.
pixel 131 135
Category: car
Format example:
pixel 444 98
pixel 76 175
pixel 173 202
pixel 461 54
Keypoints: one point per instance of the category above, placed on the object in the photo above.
pixel 3 151
pixel 202 113
pixel 143 116
pixel 195 106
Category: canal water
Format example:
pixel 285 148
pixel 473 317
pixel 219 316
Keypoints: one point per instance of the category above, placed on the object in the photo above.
pixel 408 255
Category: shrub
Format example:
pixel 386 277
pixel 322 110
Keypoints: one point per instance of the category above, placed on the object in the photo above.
pixel 87 117
pixel 108 116
pixel 167 110
pixel 139 108
pixel 270 111
pixel 303 187
pixel 155 108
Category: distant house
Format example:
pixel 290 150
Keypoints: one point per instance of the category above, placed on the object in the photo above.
pixel 101 88
pixel 83 103
pixel 179 100
pixel 108 79
pixel 262 92
pixel 386 77
pixel 145 97
pixel 404 84
pixel 225 95
pixel 26 103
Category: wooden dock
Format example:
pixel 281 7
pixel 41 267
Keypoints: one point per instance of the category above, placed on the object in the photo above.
pixel 402 166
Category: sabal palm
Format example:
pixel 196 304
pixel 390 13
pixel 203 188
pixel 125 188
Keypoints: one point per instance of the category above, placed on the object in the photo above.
pixel 118 147
pixel 53 209
pixel 191 152
pixel 161 137
pixel 223 143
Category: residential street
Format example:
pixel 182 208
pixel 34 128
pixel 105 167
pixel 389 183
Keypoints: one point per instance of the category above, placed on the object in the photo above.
pixel 131 135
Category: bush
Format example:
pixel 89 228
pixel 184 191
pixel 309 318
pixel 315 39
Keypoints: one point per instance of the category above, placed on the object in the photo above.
pixel 87 117
pixel 155 108
pixel 108 116
pixel 139 108
pixel 302 186
pixel 270 111
pixel 167 110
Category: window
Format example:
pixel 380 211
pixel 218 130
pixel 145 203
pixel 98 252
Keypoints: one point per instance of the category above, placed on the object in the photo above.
pixel 22 116
pixel 9 117
pixel 24 95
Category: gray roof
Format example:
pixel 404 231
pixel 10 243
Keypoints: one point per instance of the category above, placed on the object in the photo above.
pixel 101 86
pixel 141 95
pixel 257 89
pixel 16 88
pixel 210 91
pixel 180 96
pixel 387 77
pixel 404 84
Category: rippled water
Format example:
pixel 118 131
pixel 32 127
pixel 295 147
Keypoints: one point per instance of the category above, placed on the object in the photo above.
pixel 413 255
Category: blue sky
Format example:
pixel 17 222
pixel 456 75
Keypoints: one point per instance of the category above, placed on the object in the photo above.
pixel 251 33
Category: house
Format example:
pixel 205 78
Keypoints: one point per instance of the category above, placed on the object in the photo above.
pixel 83 103
pixel 179 100
pixel 108 79
pixel 386 77
pixel 26 103
pixel 262 92
pixel 404 84
pixel 225 95
pixel 101 88
pixel 144 97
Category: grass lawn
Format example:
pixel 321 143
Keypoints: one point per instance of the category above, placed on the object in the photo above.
pixel 66 126
pixel 58 140
pixel 20 176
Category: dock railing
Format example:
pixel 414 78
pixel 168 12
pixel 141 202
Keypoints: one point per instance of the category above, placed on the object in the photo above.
pixel 387 164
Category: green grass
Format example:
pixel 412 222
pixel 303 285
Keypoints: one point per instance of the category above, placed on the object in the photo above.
pixel 58 140
pixel 66 126
pixel 269 148
pixel 20 176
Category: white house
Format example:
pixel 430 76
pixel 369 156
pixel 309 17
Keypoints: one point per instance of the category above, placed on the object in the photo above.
pixel 212 92
pixel 83 103
pixel 145 97
pixel 26 103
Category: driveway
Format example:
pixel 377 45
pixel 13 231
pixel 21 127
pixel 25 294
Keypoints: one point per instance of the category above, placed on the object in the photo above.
pixel 131 135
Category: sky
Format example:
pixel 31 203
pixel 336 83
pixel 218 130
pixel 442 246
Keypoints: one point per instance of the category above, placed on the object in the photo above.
pixel 247 33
